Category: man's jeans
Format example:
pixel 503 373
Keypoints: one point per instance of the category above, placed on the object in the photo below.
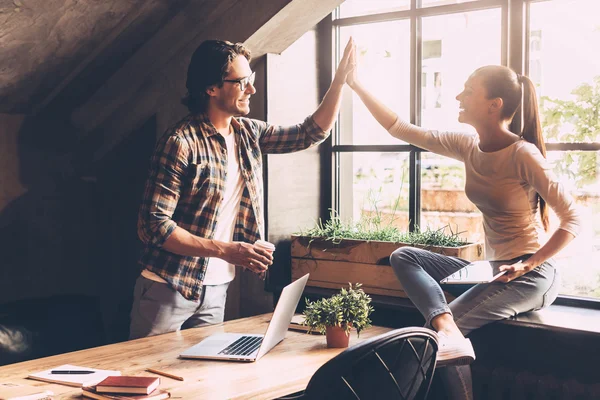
pixel 419 272
pixel 158 308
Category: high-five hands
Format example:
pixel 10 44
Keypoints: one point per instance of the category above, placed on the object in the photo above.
pixel 249 256
pixel 352 76
pixel 514 271
pixel 347 63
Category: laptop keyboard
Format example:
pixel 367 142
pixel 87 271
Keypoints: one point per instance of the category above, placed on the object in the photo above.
pixel 244 346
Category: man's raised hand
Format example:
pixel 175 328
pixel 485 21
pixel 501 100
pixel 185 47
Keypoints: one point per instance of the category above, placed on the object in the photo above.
pixel 347 63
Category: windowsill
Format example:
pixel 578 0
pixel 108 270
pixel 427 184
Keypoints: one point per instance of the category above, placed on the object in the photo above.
pixel 558 318
pixel 561 318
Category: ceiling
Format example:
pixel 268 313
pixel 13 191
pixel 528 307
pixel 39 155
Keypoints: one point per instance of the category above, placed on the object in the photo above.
pixel 101 67
pixel 64 49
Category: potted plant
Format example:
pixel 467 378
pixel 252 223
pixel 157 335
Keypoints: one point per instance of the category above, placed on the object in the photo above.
pixel 337 315
pixel 336 252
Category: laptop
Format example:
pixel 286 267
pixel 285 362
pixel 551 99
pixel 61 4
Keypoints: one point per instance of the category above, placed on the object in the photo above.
pixel 251 347
pixel 476 272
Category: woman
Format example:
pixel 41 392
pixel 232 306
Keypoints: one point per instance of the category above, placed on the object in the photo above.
pixel 509 180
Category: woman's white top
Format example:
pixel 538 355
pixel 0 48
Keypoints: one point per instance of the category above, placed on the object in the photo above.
pixel 503 185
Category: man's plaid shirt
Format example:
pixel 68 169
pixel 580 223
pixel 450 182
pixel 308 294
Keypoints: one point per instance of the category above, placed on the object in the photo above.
pixel 186 183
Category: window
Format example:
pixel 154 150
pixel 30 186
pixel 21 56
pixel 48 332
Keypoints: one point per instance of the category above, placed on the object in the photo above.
pixel 375 187
pixel 382 48
pixel 467 40
pixel 438 43
pixel 352 8
pixel 563 62
pixel 432 3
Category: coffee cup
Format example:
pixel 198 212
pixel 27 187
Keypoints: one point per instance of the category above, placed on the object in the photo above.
pixel 263 244
pixel 267 246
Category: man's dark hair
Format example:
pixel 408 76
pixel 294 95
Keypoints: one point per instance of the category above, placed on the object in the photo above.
pixel 208 67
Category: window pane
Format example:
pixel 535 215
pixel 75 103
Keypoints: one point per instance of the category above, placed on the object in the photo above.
pixel 563 62
pixel 433 3
pixel 443 199
pixel 453 47
pixel 353 8
pixel 384 68
pixel 375 185
pixel 579 171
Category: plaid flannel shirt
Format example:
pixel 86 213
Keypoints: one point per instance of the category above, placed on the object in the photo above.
pixel 186 183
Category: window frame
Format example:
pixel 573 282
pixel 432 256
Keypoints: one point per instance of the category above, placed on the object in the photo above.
pixel 515 17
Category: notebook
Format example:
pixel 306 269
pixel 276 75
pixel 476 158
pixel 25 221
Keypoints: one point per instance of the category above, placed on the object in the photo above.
pixel 77 380
pixel 251 347
pixel 476 272
pixel 297 324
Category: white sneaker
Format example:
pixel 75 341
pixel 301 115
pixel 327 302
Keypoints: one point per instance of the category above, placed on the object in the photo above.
pixel 454 351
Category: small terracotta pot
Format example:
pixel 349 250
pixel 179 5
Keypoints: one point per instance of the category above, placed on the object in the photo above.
pixel 337 337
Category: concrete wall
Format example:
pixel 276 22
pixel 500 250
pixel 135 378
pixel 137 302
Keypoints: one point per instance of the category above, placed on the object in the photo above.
pixel 10 185
pixel 46 220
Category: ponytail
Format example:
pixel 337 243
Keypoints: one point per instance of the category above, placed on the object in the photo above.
pixel 532 132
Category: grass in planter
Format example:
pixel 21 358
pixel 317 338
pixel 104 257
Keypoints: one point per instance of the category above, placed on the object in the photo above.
pixel 370 229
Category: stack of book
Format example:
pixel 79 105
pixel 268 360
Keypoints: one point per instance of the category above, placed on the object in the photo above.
pixel 126 388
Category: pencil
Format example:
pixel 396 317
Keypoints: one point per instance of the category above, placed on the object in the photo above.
pixel 179 378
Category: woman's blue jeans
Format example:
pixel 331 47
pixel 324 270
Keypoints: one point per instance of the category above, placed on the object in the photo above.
pixel 419 272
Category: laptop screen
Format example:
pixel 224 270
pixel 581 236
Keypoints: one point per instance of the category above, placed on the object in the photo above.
pixel 282 316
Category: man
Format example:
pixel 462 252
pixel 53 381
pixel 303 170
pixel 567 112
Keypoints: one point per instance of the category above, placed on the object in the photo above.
pixel 202 205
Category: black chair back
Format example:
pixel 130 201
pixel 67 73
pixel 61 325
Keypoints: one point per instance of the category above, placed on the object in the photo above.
pixel 396 365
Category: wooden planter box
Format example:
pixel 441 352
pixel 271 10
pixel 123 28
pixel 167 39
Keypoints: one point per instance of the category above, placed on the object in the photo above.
pixel 334 265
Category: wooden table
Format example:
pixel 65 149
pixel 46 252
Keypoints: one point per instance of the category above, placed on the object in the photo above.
pixel 287 368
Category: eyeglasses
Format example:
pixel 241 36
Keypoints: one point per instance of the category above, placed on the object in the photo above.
pixel 243 81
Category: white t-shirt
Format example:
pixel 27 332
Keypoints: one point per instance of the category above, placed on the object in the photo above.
pixel 503 185
pixel 219 271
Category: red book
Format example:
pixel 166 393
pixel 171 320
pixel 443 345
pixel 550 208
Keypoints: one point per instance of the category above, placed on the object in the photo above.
pixel 91 393
pixel 128 384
